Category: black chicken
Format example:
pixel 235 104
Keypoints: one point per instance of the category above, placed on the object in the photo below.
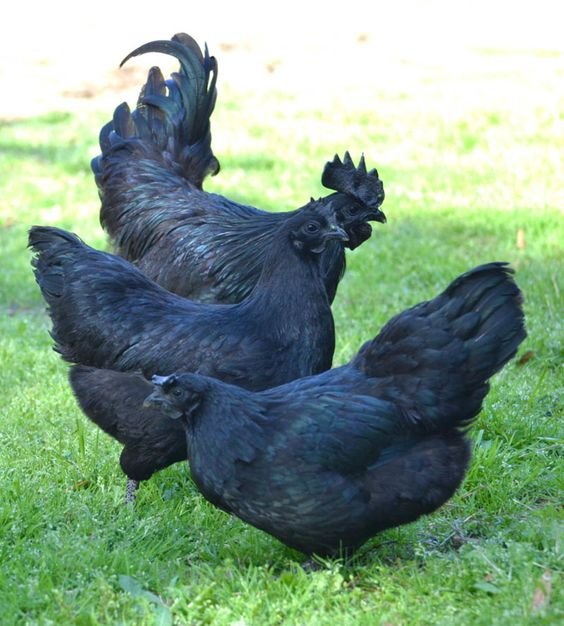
pixel 197 244
pixel 113 400
pixel 106 313
pixel 325 462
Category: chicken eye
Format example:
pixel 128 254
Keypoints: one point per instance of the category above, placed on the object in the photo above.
pixel 177 392
pixel 312 227
pixel 353 210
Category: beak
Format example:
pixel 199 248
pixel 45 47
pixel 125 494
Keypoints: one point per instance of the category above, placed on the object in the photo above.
pixel 155 400
pixel 337 232
pixel 378 216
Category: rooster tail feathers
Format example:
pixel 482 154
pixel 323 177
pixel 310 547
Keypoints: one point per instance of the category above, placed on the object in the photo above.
pixel 171 116
pixel 436 358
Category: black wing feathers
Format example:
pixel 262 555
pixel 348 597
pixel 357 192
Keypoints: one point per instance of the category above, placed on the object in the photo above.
pixel 114 401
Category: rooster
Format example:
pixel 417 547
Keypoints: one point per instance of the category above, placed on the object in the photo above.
pixel 150 176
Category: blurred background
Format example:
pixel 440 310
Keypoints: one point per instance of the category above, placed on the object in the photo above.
pixel 65 54
pixel 407 67
pixel 460 106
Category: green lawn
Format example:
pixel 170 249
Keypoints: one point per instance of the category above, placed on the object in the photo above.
pixel 468 180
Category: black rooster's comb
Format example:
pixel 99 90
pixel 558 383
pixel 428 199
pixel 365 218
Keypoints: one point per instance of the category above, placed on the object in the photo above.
pixel 365 186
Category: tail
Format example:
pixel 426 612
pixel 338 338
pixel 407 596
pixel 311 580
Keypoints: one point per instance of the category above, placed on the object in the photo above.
pixel 92 297
pixel 53 247
pixel 172 117
pixel 58 253
pixel 435 359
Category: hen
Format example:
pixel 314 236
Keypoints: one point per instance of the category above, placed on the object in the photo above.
pixel 197 244
pixel 108 314
pixel 325 462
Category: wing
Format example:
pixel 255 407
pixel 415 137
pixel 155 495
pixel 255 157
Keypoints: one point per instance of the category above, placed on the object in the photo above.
pixel 340 431
pixel 302 473
pixel 204 247
pixel 114 401
pixel 189 241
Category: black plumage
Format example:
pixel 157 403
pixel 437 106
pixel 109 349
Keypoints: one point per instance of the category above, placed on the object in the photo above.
pixel 113 400
pixel 325 462
pixel 106 313
pixel 150 174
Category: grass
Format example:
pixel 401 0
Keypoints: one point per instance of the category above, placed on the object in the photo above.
pixel 463 177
